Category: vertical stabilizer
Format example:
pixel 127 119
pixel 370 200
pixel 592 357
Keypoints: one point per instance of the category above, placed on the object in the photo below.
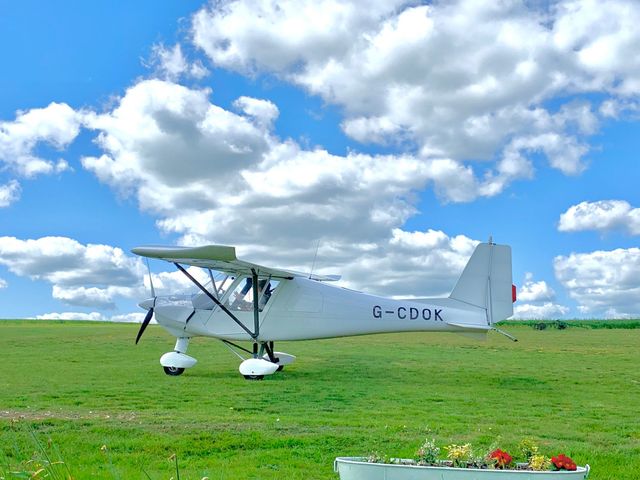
pixel 486 281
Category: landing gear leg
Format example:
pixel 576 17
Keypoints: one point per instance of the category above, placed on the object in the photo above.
pixel 182 343
pixel 273 352
pixel 268 347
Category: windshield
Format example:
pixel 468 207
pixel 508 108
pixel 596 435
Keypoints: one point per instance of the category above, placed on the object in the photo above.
pixel 217 285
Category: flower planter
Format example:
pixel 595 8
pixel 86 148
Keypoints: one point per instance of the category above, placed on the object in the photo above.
pixel 357 468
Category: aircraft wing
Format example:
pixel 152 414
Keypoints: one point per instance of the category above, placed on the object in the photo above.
pixel 221 258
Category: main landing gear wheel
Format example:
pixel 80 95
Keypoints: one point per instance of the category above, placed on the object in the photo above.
pixel 254 377
pixel 280 368
pixel 173 371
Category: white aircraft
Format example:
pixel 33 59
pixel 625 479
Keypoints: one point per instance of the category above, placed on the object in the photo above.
pixel 249 302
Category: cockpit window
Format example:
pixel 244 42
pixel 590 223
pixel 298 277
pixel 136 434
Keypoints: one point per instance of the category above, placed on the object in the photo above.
pixel 217 285
pixel 266 291
pixel 223 284
pixel 241 299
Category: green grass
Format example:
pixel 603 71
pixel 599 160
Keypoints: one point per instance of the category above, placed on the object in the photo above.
pixel 85 385
pixel 592 324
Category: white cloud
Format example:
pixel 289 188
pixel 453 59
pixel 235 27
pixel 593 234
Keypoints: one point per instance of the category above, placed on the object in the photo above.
pixel 601 38
pixel 617 108
pixel 564 152
pixel 420 264
pixel 538 298
pixel 464 80
pixel 135 317
pixel 93 316
pixel 56 125
pixel 544 311
pixel 603 283
pixel 3 283
pixel 453 181
pixel 303 29
pixel 96 297
pixel 263 111
pixel 83 275
pixel 171 64
pixel 9 193
pixel 602 215
pixel 532 291
pixel 64 261
pixel 175 282
pixel 172 148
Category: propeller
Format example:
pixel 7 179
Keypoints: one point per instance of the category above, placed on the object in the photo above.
pixel 145 322
pixel 149 314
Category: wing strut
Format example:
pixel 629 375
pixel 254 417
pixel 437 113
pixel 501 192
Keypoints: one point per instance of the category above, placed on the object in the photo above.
pixel 256 312
pixel 253 335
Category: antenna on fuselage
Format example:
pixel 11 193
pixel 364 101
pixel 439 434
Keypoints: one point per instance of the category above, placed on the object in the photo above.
pixel 313 265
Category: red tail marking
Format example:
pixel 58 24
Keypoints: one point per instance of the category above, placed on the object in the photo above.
pixel 513 293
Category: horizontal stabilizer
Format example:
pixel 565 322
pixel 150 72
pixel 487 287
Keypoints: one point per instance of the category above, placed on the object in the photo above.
pixel 472 326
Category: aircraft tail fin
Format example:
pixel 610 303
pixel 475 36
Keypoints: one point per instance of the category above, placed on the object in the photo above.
pixel 486 282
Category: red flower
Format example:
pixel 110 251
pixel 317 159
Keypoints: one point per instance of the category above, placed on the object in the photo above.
pixel 501 458
pixel 562 462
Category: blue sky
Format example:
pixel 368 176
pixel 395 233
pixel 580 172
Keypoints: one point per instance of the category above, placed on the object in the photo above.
pixel 397 134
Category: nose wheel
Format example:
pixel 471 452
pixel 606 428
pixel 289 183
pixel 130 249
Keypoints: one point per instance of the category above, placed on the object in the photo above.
pixel 174 363
pixel 173 371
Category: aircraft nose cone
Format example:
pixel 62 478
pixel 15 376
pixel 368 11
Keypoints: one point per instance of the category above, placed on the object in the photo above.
pixel 147 304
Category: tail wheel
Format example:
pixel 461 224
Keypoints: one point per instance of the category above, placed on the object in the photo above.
pixel 173 371
pixel 254 377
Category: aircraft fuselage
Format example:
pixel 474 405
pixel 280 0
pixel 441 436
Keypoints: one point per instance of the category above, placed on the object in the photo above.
pixel 303 309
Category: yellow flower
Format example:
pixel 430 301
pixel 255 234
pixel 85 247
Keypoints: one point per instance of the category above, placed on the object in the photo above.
pixel 528 447
pixel 539 462
pixel 459 453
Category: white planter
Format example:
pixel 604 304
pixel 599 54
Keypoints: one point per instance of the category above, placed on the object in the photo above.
pixel 357 468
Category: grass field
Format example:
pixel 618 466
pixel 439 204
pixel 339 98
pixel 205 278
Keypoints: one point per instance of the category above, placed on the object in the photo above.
pixel 85 385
